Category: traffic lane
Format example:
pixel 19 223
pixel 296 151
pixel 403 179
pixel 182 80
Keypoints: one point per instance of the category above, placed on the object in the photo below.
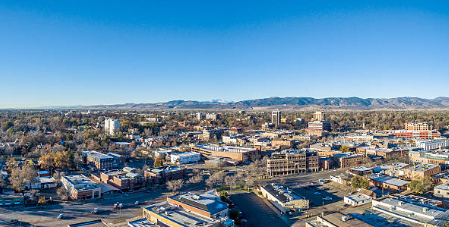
pixel 256 211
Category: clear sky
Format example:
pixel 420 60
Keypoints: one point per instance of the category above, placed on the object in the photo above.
pixel 85 52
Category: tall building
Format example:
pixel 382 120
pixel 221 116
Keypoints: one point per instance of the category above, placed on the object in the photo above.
pixel 111 126
pixel 276 117
pixel 319 116
pixel 318 126
pixel 199 116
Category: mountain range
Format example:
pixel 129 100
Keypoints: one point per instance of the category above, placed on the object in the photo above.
pixel 352 103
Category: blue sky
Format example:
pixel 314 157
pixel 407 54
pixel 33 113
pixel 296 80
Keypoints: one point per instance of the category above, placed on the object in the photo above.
pixel 84 52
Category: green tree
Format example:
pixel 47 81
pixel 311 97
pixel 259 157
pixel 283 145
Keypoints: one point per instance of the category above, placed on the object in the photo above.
pixel 421 185
pixel 359 182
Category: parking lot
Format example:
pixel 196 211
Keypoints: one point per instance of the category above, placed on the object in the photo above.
pixel 318 195
pixel 256 211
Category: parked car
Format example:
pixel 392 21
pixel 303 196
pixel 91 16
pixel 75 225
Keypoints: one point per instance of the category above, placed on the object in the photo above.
pixel 13 221
pixel 327 198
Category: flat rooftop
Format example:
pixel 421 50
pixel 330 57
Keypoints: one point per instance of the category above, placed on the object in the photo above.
pixel 230 149
pixel 390 180
pixel 282 193
pixel 206 201
pixel 180 216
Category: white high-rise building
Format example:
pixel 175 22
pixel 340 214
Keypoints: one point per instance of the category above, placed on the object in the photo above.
pixel 276 117
pixel 111 126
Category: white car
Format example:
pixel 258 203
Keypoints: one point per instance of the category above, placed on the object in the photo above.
pixel 327 198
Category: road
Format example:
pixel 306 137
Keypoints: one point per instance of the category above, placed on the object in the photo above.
pixel 79 211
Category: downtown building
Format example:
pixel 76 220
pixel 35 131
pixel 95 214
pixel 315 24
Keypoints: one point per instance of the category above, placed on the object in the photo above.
pixel 290 162
pixel 240 154
pixel 190 210
pixel 318 126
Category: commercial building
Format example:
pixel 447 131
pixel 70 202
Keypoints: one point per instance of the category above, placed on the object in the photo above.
pixel 357 199
pixel 170 215
pixel 240 154
pixel 283 198
pixel 276 118
pixel 430 157
pixel 434 144
pixel 421 170
pixel 388 183
pixel 81 187
pixel 441 191
pixel 347 159
pixel 11 199
pixel 111 126
pixel 395 169
pixel 125 179
pixel 159 176
pixel 336 220
pixel 207 204
pixel 100 160
pixel 410 213
pixel 292 162
pixel 318 128
pixel 184 158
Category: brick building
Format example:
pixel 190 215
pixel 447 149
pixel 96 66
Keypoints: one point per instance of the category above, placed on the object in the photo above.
pixel 292 162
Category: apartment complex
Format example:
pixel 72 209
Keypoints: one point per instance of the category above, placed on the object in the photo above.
pixel 240 154
pixel 418 126
pixel 111 126
pixel 292 162
pixel 213 116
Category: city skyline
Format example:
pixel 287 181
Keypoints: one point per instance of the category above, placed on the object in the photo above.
pixel 95 53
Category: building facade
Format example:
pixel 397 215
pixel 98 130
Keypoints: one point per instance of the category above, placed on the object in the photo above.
pixel 111 126
pixel 292 162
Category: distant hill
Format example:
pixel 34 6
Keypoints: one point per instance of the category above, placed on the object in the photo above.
pixel 354 103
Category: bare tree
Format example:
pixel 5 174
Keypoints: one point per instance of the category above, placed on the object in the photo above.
pixel 230 181
pixel 197 178
pixel 175 185
pixel 63 193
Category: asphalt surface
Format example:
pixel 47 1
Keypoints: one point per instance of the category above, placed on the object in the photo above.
pixel 256 211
